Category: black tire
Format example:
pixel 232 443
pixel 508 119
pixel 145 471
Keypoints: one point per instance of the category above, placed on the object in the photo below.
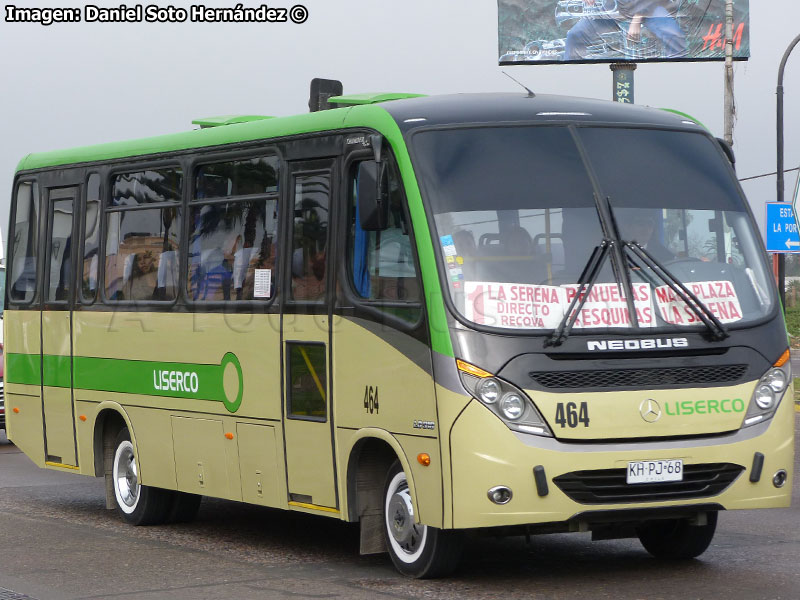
pixel 419 551
pixel 677 539
pixel 183 507
pixel 137 504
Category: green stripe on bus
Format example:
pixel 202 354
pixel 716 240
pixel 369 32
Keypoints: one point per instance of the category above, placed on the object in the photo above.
pixel 23 368
pixel 146 378
pixel 56 371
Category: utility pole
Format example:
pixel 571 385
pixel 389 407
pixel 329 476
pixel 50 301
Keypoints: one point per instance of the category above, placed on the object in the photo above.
pixel 730 107
pixel 781 183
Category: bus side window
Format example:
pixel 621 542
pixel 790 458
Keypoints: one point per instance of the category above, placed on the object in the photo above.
pixel 381 263
pixel 234 230
pixel 91 239
pixel 310 237
pixel 142 235
pixel 25 244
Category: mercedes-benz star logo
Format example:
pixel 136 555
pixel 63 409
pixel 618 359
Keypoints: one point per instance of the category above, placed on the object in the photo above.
pixel 650 410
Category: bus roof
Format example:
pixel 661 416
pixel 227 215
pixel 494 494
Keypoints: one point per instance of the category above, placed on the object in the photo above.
pixel 409 113
pixel 511 108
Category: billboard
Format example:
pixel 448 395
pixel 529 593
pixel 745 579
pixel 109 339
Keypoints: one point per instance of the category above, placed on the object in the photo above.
pixel 585 31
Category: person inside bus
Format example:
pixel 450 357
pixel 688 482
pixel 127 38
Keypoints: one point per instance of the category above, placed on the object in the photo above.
pixel 657 16
pixel 142 279
pixel 642 229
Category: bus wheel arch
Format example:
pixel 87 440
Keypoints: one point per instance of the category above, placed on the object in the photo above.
pixel 371 457
pixel 110 420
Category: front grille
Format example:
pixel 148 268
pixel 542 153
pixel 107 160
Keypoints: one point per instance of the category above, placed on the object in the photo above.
pixel 608 486
pixel 613 378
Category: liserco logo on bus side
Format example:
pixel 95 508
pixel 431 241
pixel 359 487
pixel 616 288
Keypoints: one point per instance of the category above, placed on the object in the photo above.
pixel 218 383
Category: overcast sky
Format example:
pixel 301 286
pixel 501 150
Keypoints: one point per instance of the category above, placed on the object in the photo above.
pixel 76 84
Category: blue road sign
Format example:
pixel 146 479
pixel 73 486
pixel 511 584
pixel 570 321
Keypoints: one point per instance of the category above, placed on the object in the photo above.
pixel 782 234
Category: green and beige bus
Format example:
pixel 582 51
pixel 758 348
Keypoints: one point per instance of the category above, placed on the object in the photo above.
pixel 499 313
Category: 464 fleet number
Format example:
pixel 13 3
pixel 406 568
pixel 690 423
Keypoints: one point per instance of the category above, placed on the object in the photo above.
pixel 570 414
pixel 371 404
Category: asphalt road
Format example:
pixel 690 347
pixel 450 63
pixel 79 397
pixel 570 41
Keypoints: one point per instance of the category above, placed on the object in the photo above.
pixel 58 542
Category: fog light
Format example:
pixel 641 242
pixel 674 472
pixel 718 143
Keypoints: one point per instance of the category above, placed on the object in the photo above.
pixel 500 494
pixel 779 479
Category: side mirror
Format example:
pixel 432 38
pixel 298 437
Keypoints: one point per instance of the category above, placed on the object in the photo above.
pixel 728 152
pixel 373 195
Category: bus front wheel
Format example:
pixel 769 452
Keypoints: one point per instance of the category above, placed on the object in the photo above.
pixel 417 550
pixel 137 504
pixel 677 538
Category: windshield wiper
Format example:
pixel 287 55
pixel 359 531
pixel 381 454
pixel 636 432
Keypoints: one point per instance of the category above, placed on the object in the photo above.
pixel 696 305
pixel 585 284
pixel 702 311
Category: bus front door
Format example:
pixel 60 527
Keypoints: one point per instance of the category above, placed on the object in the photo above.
pixel 308 415
pixel 59 416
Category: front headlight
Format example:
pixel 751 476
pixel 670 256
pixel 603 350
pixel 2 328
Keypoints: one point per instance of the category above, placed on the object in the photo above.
pixel 776 379
pixel 488 390
pixel 768 393
pixel 512 406
pixel 764 397
pixel 504 399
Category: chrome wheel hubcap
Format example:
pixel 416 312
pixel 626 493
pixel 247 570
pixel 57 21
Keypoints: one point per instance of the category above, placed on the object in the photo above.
pixel 126 475
pixel 405 532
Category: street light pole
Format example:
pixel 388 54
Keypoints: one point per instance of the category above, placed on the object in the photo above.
pixel 781 182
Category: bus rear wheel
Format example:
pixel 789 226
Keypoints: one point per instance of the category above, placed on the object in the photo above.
pixel 677 539
pixel 416 550
pixel 137 504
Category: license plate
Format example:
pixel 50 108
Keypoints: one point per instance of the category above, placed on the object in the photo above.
pixel 653 471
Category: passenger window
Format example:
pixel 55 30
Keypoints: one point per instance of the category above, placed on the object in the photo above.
pixel 25 244
pixel 307 383
pixel 91 239
pixel 310 237
pixel 141 261
pixel 147 187
pixel 381 263
pixel 232 242
pixel 238 178
pixel 60 251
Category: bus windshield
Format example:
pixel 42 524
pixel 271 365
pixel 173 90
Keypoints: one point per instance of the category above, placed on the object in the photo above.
pixel 517 215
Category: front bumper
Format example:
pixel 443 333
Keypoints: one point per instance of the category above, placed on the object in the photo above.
pixel 485 454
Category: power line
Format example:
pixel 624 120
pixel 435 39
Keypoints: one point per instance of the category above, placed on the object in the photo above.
pixel 768 174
